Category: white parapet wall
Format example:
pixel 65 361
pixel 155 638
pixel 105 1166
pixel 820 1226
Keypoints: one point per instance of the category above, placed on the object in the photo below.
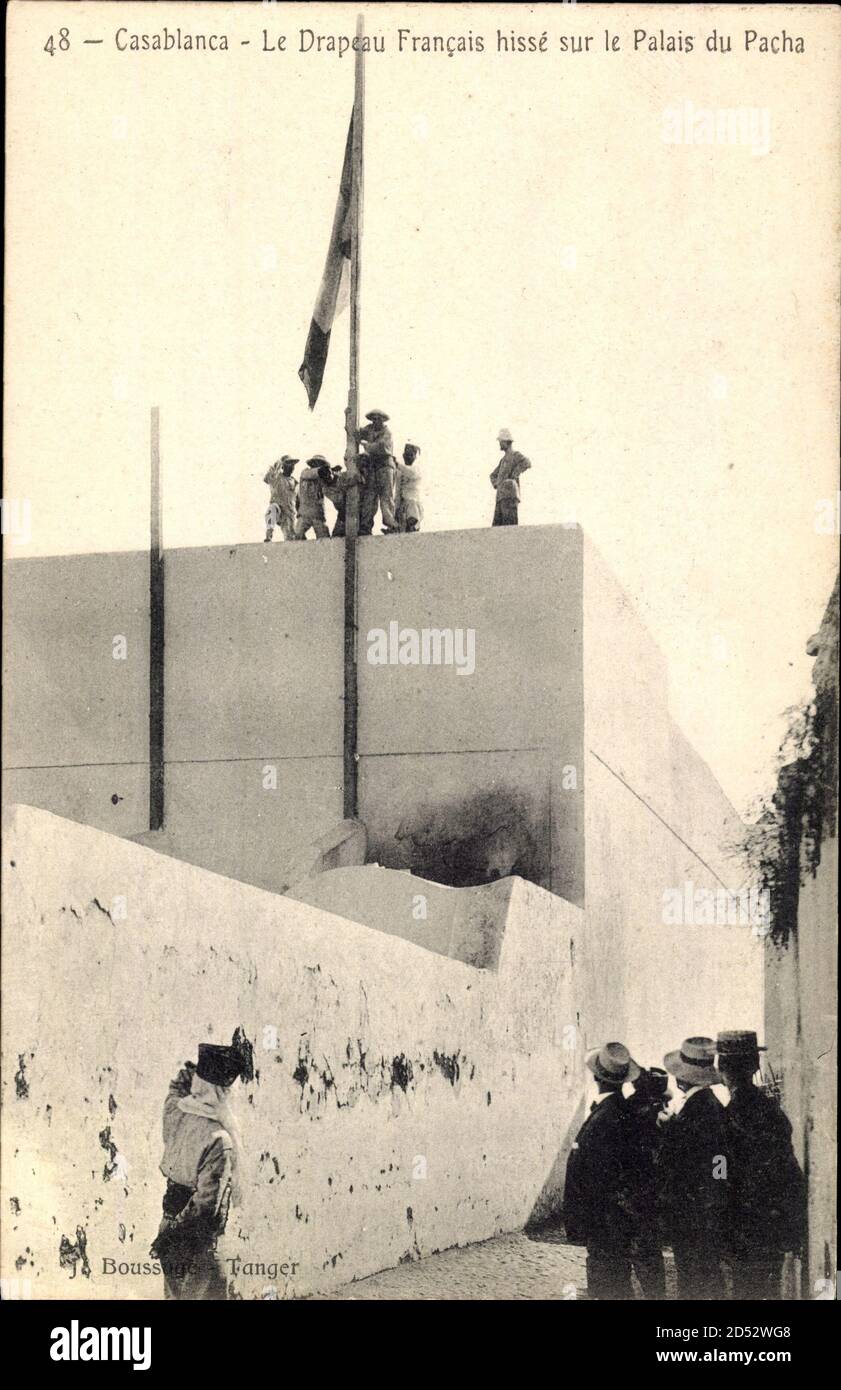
pixel 403 1102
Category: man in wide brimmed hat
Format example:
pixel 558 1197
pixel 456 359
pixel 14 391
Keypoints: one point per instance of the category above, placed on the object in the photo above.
pixel 766 1209
pixel 311 499
pixel 693 1172
pixel 597 1177
pixel 647 1109
pixel 378 474
pixel 336 488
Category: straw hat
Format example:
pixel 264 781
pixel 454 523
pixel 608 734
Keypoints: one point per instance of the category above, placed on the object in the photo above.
pixel 694 1062
pixel 612 1063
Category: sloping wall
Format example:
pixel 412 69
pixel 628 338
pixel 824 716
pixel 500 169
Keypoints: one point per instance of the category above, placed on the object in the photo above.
pixel 467 924
pixel 655 821
pixel 404 1101
pixel 652 981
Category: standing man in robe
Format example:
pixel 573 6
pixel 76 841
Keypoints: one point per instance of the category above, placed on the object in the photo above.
pixel 506 481
pixel 408 507
pixel 202 1163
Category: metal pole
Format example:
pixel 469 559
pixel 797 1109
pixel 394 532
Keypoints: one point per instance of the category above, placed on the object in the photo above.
pixel 156 632
pixel 351 594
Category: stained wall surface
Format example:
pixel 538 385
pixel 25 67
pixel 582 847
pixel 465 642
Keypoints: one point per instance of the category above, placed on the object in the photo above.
pixel 554 765
pixel 555 759
pixel 461 776
pixel 403 1101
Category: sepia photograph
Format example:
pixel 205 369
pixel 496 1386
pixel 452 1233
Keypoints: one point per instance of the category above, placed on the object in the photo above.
pixel 420 662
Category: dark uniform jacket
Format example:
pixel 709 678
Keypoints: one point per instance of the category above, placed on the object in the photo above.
pixel 693 1199
pixel 645 1141
pixel 595 1194
pixel 766 1211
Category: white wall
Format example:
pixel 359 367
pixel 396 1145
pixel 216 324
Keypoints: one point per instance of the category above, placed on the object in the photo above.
pixel 655 820
pixel 391 1061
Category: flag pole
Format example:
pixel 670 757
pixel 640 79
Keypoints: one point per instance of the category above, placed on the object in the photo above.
pixel 351 577
pixel 156 630
pixel 352 413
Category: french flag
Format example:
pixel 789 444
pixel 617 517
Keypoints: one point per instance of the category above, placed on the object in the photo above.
pixel 334 290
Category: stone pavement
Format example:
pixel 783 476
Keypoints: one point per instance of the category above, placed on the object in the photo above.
pixel 507 1267
pixel 519 1266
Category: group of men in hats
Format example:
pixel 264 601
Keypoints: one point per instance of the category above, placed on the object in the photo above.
pixel 386 484
pixel 718 1184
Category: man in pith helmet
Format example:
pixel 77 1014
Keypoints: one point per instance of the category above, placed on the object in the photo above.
pixel 506 481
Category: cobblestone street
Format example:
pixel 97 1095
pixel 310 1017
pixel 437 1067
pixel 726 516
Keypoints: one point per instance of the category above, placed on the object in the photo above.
pixel 538 1266
pixel 513 1266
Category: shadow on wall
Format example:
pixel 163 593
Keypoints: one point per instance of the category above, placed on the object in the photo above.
pixel 470 841
pixel 547 1212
